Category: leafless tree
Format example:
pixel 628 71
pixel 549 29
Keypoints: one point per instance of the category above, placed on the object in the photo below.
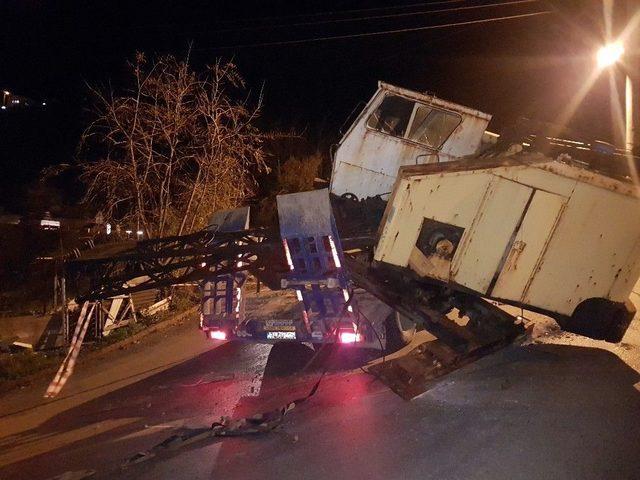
pixel 176 147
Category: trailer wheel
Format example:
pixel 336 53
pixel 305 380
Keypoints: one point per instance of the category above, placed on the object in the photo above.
pixel 601 319
pixel 399 331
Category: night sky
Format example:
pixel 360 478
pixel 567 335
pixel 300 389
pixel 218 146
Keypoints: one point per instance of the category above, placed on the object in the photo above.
pixel 525 67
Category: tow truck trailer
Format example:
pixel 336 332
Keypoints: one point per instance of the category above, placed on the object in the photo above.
pixel 436 218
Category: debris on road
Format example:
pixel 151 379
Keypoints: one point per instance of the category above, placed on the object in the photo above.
pixel 74 475
pixel 226 427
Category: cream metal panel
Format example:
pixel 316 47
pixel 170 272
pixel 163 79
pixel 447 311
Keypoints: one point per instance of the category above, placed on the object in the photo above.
pixel 483 245
pixel 528 246
pixel 451 198
pixel 360 181
pixel 589 251
pixel 629 275
pixel 366 162
pixel 366 155
pixel 398 213
pixel 466 139
pixel 538 179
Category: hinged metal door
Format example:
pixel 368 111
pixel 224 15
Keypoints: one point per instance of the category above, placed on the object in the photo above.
pixel 522 261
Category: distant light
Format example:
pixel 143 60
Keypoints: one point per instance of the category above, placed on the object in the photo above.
pixel 50 223
pixel 108 228
pixel 44 104
pixel 128 232
pixel 203 264
pixel 217 335
pixel 139 232
pixel 3 107
pixel 610 54
pixel 6 92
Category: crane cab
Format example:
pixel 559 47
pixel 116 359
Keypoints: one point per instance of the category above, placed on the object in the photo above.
pixel 399 127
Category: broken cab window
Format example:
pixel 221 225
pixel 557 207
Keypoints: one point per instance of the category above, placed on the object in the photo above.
pixel 392 116
pixel 432 127
pixel 404 118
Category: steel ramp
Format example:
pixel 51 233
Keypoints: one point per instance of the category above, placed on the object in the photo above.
pixel 317 270
pixel 415 372
pixel 457 343
pixel 223 299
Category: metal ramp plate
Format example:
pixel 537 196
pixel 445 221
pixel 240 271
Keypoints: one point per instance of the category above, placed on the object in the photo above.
pixel 223 296
pixel 316 262
pixel 305 214
pixel 234 220
pixel 414 373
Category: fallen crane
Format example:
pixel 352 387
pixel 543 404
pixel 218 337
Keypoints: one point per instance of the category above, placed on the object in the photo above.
pixel 539 222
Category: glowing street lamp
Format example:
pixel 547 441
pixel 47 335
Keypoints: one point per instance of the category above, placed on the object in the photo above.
pixel 4 97
pixel 610 54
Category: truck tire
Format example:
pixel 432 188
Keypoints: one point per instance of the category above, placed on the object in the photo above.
pixel 600 319
pixel 399 331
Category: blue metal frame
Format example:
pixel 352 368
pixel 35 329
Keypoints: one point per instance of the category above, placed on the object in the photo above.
pixel 222 305
pixel 316 260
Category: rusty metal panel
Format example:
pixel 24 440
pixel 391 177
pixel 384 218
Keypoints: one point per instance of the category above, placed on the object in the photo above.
pixel 367 161
pixel 466 139
pixel 587 246
pixel 629 277
pixel 591 253
pixel 528 246
pixel 429 98
pixel 484 243
pixel 400 230
pixel 538 179
pixel 451 199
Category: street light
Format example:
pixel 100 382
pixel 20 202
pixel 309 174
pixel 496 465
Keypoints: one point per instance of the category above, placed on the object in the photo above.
pixel 608 56
pixel 4 97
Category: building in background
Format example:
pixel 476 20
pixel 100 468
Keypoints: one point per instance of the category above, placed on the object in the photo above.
pixel 10 100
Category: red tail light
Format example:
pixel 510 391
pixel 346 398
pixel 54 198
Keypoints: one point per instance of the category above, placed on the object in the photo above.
pixel 217 335
pixel 349 337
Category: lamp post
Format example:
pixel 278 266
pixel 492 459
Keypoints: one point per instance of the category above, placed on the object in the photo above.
pixel 608 56
pixel 629 124
pixel 4 97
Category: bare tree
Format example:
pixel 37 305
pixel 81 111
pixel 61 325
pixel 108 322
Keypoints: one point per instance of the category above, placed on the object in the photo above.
pixel 174 148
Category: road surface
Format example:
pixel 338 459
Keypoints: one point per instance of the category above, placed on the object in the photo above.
pixel 560 407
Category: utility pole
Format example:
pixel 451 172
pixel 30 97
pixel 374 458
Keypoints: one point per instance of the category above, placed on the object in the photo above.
pixel 632 79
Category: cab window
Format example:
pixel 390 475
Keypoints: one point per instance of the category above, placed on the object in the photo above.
pixel 404 118
pixel 392 116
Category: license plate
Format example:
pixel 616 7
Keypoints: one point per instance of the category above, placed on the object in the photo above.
pixel 279 326
pixel 281 335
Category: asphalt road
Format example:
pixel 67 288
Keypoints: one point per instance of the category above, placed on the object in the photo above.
pixel 561 407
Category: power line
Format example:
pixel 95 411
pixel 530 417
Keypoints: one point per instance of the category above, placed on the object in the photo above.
pixel 377 17
pixel 344 12
pixel 309 15
pixel 372 34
